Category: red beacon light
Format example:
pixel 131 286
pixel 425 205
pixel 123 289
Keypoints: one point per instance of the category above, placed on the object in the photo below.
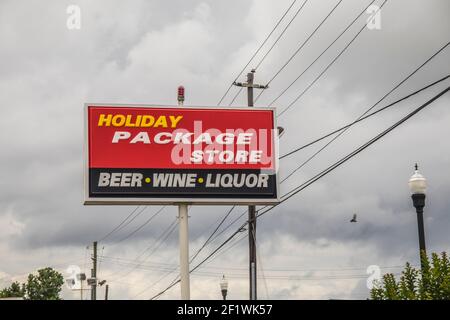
pixel 180 93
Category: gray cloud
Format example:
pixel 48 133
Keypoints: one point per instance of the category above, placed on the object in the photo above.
pixel 139 52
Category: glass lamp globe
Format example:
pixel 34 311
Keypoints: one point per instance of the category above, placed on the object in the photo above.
pixel 417 183
pixel 223 284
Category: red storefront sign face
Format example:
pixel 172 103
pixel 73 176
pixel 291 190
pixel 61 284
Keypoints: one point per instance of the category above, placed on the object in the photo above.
pixel 158 154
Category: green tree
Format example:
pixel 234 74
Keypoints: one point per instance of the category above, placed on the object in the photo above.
pixel 16 290
pixel 431 282
pixel 46 285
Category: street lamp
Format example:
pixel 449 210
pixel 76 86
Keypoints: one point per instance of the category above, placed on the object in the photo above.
pixel 418 186
pixel 224 287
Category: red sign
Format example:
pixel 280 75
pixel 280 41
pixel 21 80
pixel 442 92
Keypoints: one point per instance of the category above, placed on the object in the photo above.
pixel 156 154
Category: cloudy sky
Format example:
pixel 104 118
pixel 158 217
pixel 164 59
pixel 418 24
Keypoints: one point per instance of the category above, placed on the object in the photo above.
pixel 139 52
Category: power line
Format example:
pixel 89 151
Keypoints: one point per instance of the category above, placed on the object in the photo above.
pixel 362 118
pixel 329 65
pixel 166 266
pixel 229 225
pixel 213 233
pixel 267 53
pixel 158 244
pixel 281 34
pixel 162 237
pixel 257 51
pixel 221 253
pixel 300 47
pixel 304 185
pixel 142 225
pixel 199 264
pixel 261 269
pixel 119 225
pixel 318 57
pixel 314 179
pixel 301 187
pixel 156 282
pixel 235 96
pixel 154 246
pixel 367 111
pixel 132 219
pixel 342 50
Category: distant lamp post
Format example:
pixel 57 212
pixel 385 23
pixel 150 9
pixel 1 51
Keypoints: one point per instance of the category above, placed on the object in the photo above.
pixel 418 187
pixel 224 287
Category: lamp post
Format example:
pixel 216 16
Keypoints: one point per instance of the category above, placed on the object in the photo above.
pixel 418 186
pixel 224 287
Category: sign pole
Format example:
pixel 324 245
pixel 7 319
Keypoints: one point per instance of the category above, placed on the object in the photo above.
pixel 145 165
pixel 184 233
pixel 184 251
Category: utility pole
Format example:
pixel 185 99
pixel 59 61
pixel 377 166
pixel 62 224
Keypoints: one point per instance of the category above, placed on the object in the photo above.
pixel 106 291
pixel 183 233
pixel 94 272
pixel 251 209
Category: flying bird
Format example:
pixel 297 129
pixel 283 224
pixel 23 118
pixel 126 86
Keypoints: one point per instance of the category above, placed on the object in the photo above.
pixel 354 218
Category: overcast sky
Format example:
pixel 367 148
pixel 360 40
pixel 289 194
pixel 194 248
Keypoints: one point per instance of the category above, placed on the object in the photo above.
pixel 139 52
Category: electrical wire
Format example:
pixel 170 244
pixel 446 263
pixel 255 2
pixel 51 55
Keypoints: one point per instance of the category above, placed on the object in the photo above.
pixel 119 225
pixel 224 251
pixel 281 34
pixel 153 247
pixel 318 57
pixel 164 266
pixel 235 96
pixel 362 118
pixel 158 245
pixel 229 225
pixel 261 268
pixel 132 219
pixel 257 51
pixel 156 282
pixel 304 185
pixel 366 111
pixel 329 134
pixel 270 49
pixel 213 233
pixel 142 225
pixel 329 65
pixel 311 181
pixel 199 264
pixel 300 47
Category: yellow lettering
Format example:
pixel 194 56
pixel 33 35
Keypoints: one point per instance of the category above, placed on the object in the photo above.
pixel 118 120
pixel 128 122
pixel 138 120
pixel 104 120
pixel 161 122
pixel 174 120
pixel 147 121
